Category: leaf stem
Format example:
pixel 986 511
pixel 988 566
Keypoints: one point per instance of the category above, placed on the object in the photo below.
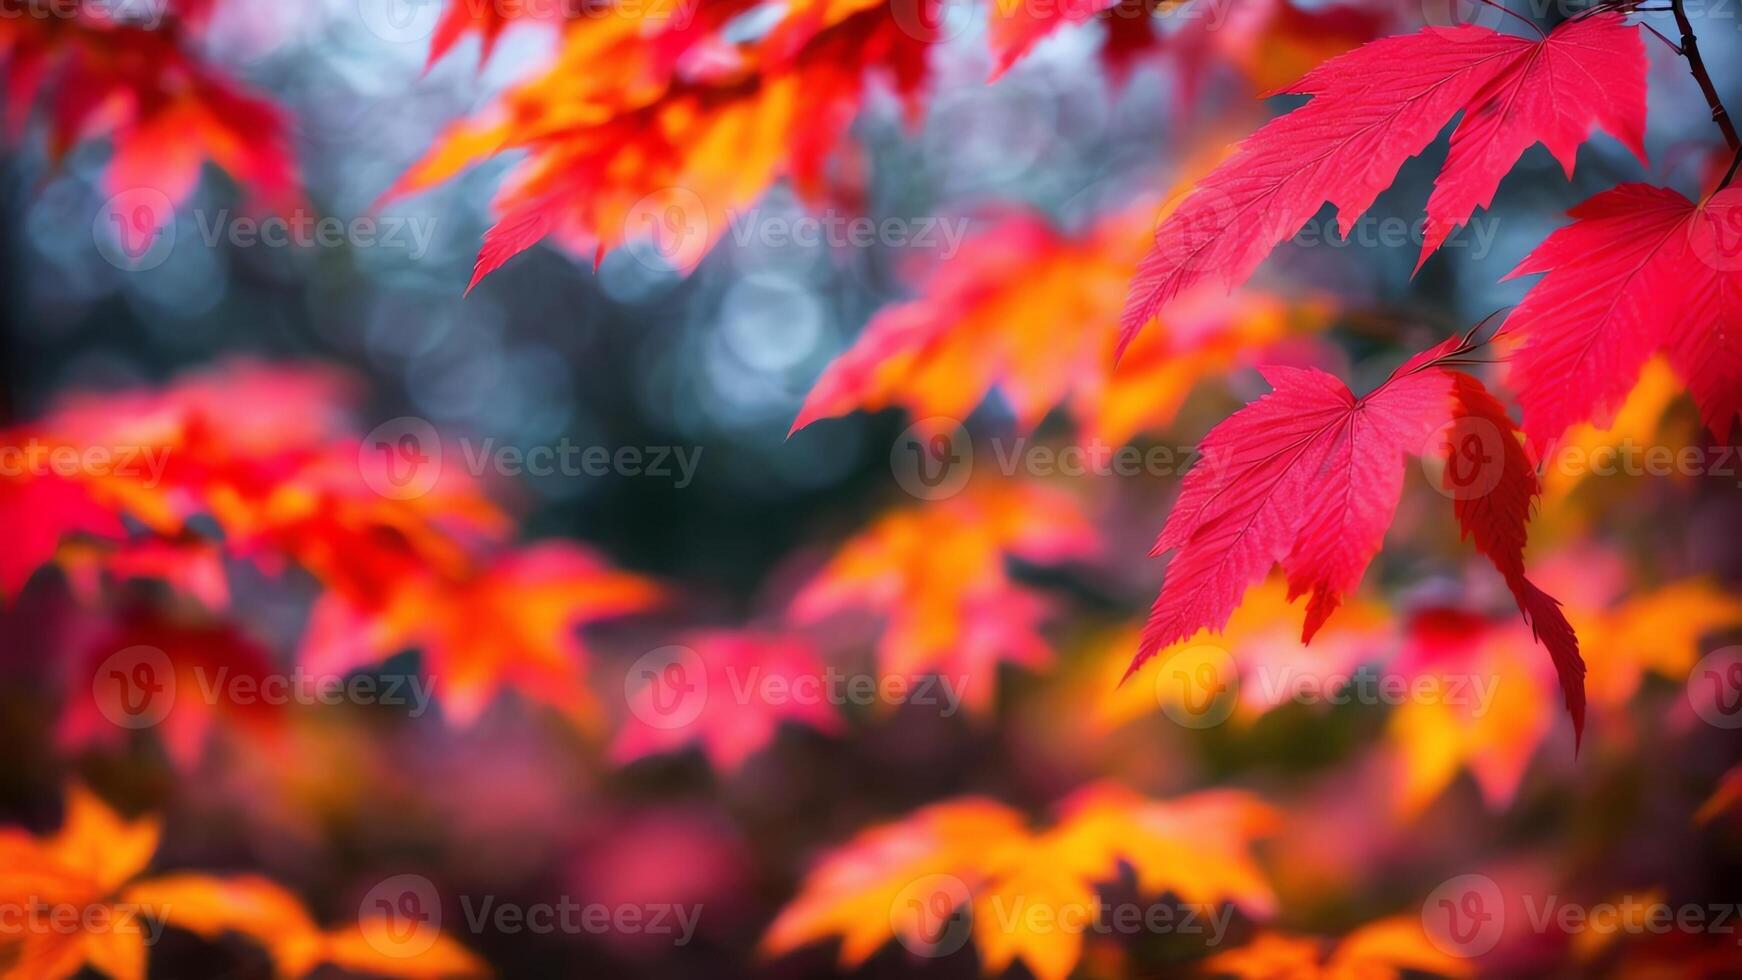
pixel 1660 36
pixel 1731 174
pixel 1697 65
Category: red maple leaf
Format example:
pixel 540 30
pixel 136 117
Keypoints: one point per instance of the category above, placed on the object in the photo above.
pixel 1642 269
pixel 165 111
pixel 1012 29
pixel 746 685
pixel 1376 107
pixel 43 509
pixel 194 672
pixel 1309 476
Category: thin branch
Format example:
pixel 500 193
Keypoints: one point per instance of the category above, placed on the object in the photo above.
pixel 1731 175
pixel 1697 65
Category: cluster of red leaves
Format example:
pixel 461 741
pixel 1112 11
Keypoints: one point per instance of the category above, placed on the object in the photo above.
pixel 653 125
pixel 256 466
pixel 1643 269
pixel 657 125
pixel 1309 477
pixel 1376 107
pixel 164 110
pixel 268 457
pixel 1638 261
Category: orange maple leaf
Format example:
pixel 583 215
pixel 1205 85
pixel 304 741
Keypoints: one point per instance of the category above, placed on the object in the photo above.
pixel 1381 950
pixel 936 573
pixel 509 624
pixel 1254 664
pixel 1633 632
pixel 991 318
pixel 266 913
pixel 972 868
pixel 86 905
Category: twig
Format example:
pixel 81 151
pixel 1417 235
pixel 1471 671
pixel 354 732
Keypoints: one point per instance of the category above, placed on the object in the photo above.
pixel 1697 65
